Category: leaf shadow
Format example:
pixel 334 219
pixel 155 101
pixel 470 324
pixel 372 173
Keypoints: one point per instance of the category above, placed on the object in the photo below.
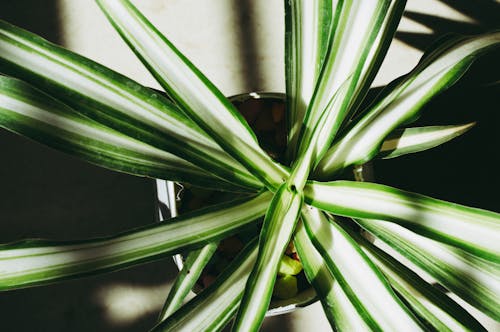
pixel 485 15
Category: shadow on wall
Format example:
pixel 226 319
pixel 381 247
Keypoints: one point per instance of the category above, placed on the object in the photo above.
pixel 485 13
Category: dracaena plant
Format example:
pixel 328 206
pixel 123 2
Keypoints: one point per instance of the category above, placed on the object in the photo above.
pixel 333 51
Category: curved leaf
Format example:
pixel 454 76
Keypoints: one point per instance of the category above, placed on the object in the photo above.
pixel 307 32
pixel 186 279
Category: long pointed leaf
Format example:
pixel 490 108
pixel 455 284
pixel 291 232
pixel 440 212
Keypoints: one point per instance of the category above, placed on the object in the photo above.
pixel 190 89
pixel 276 232
pixel 363 283
pixel 362 142
pixel 35 262
pixel 473 230
pixel 411 140
pixel 113 100
pixel 472 279
pixel 29 112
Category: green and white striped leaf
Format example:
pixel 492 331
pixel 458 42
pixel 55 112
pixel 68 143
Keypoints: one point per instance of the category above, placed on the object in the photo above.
pixel 277 229
pixel 193 266
pixel 307 32
pixel 34 262
pixel 314 143
pixel 436 72
pixel 473 230
pixel 190 89
pixel 29 112
pixel 358 39
pixel 214 307
pixel 474 280
pixel 417 139
pixel 114 101
pixel 341 314
pixel 364 285
pixel 429 303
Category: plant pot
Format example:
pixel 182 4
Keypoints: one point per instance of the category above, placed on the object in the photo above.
pixel 270 129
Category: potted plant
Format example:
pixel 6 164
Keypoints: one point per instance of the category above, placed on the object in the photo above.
pixel 332 54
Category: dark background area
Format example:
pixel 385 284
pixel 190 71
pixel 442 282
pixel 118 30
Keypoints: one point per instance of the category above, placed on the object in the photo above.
pixel 46 194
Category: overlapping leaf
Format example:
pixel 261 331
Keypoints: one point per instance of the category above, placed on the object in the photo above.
pixel 472 279
pixel 436 72
pixel 360 279
pixel 190 89
pixel 113 100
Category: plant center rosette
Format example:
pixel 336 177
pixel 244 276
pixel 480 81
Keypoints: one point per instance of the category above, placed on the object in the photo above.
pixel 265 113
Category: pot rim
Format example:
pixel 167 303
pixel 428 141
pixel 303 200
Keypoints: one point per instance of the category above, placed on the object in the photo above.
pixel 167 196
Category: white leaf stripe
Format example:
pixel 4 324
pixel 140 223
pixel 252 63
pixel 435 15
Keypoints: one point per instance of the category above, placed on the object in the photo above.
pixel 472 279
pixel 37 262
pixel 404 101
pixel 474 230
pixel 411 140
pixel 199 98
pixel 430 304
pixel 337 307
pixel 277 229
pixel 360 279
pixel 212 309
pixel 113 100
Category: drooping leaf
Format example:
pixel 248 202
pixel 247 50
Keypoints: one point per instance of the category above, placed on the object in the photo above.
pixel 34 262
pixel 190 89
pixel 473 230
